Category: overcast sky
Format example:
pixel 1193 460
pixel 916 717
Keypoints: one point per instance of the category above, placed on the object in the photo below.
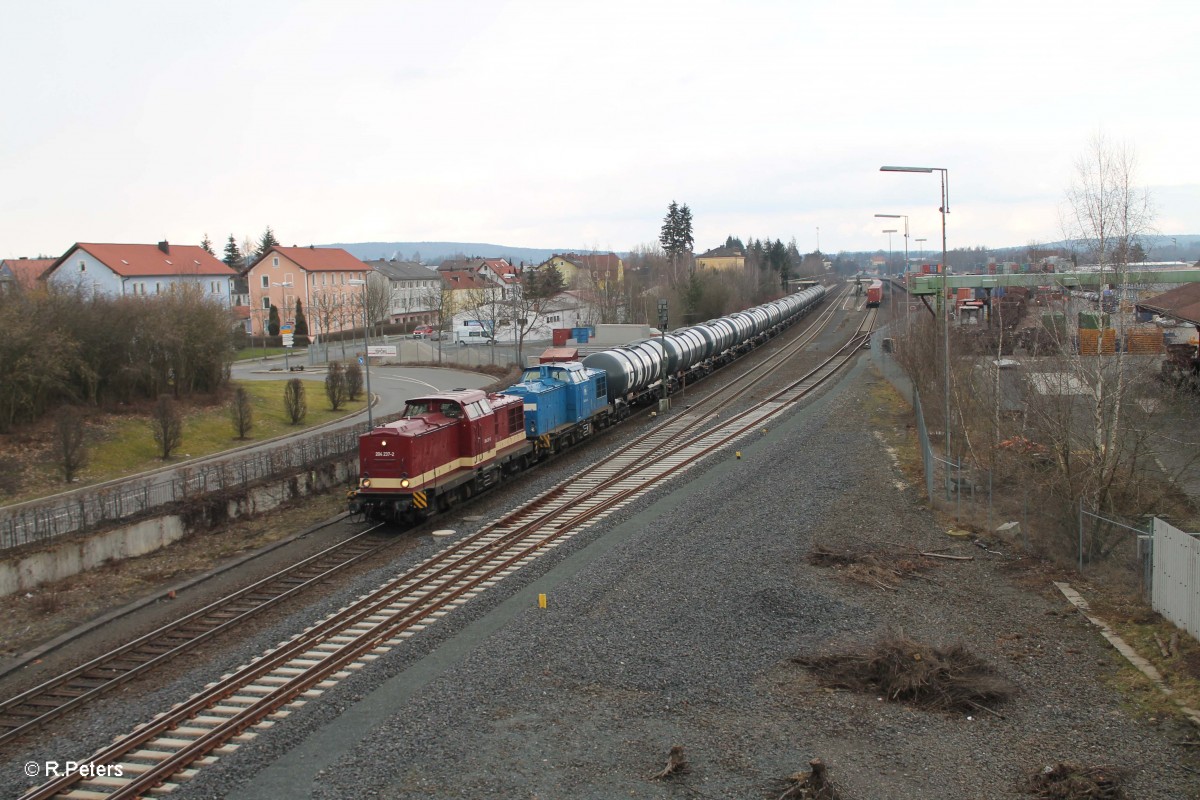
pixel 573 125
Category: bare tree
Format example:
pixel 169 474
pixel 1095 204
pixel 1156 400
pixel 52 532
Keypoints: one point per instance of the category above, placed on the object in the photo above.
pixel 166 424
pixel 379 298
pixel 326 308
pixel 293 401
pixel 335 385
pixel 70 441
pixel 241 412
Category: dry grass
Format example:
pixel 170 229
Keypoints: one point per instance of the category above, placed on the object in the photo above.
pixel 906 671
pixel 1065 781
pixel 885 571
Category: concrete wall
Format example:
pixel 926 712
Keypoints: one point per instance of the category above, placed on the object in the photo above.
pixel 27 571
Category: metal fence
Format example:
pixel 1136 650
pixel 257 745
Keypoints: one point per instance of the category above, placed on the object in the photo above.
pixel 87 508
pixel 1176 576
pixel 952 484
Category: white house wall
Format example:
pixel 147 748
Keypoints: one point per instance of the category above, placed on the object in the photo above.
pixel 96 278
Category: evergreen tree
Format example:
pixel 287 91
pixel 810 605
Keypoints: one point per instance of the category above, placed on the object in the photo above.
pixel 206 245
pixel 676 237
pixel 273 321
pixel 233 254
pixel 267 241
pixel 301 331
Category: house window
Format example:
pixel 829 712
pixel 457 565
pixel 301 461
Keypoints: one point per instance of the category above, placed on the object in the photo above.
pixel 266 304
pixel 82 266
pixel 157 287
pixel 287 277
pixel 266 282
pixel 275 261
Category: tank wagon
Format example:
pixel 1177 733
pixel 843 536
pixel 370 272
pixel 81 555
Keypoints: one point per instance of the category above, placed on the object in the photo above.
pixel 447 447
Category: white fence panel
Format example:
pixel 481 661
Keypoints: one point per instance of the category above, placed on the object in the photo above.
pixel 1177 576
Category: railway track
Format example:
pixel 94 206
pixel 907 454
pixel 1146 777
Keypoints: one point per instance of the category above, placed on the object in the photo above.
pixel 33 708
pixel 213 722
pixel 49 700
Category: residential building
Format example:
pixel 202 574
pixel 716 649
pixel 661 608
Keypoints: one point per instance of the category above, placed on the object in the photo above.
pixel 22 273
pixel 412 290
pixel 141 269
pixel 595 269
pixel 318 276
pixel 722 258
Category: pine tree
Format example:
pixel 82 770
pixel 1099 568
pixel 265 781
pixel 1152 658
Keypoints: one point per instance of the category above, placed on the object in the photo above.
pixel 273 321
pixel 267 241
pixel 301 332
pixel 206 245
pixel 233 254
pixel 676 237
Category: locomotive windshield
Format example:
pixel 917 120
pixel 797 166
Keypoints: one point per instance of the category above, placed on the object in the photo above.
pixel 416 408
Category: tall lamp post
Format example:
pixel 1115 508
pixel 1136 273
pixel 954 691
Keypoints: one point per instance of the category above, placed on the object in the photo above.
pixel 945 209
pixel 366 349
pixel 905 217
pixel 921 242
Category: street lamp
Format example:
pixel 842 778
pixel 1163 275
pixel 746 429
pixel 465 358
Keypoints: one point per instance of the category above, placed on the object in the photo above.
pixel 898 216
pixel 889 232
pixel 286 363
pixel 921 242
pixel 366 349
pixel 945 209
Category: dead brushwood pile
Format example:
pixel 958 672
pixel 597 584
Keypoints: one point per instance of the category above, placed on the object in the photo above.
pixel 906 671
pixel 886 571
pixel 1073 782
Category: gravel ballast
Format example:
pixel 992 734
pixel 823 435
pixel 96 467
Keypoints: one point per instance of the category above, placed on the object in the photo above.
pixel 675 622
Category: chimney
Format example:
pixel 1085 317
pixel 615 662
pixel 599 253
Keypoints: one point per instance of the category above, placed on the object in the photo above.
pixel 166 248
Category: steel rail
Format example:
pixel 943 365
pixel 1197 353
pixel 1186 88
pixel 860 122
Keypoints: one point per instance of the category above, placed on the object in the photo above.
pixel 80 685
pixel 426 589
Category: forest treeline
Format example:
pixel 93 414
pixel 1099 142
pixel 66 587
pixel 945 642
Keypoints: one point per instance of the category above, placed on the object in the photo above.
pixel 67 348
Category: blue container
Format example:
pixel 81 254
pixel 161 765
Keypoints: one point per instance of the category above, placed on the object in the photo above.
pixel 580 335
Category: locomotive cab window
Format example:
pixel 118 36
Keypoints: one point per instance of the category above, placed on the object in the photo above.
pixel 416 409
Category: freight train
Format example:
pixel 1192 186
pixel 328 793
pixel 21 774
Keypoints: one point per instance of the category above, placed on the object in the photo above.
pixel 447 447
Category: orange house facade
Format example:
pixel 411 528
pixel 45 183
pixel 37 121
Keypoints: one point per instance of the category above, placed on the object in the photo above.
pixel 318 276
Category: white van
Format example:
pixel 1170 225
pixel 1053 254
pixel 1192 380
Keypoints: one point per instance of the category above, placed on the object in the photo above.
pixel 472 334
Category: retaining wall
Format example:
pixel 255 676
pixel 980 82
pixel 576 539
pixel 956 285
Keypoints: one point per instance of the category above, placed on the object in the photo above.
pixel 22 572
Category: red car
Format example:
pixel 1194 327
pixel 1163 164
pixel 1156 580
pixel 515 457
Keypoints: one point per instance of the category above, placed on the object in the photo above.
pixel 422 331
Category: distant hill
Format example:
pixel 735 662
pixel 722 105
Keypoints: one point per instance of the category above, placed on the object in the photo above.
pixel 434 252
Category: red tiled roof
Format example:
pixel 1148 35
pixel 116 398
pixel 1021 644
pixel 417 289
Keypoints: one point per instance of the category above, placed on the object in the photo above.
pixel 319 259
pixel 464 279
pixel 26 271
pixel 147 259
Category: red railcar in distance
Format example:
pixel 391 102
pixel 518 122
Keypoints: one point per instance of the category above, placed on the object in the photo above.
pixel 446 447
pixel 874 294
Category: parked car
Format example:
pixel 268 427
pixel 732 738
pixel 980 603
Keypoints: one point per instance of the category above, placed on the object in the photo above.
pixel 422 331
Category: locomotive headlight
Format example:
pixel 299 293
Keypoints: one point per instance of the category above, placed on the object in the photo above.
pixel 404 483
pixel 366 483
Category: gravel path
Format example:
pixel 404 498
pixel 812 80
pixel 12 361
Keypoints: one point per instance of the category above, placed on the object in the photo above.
pixel 675 623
